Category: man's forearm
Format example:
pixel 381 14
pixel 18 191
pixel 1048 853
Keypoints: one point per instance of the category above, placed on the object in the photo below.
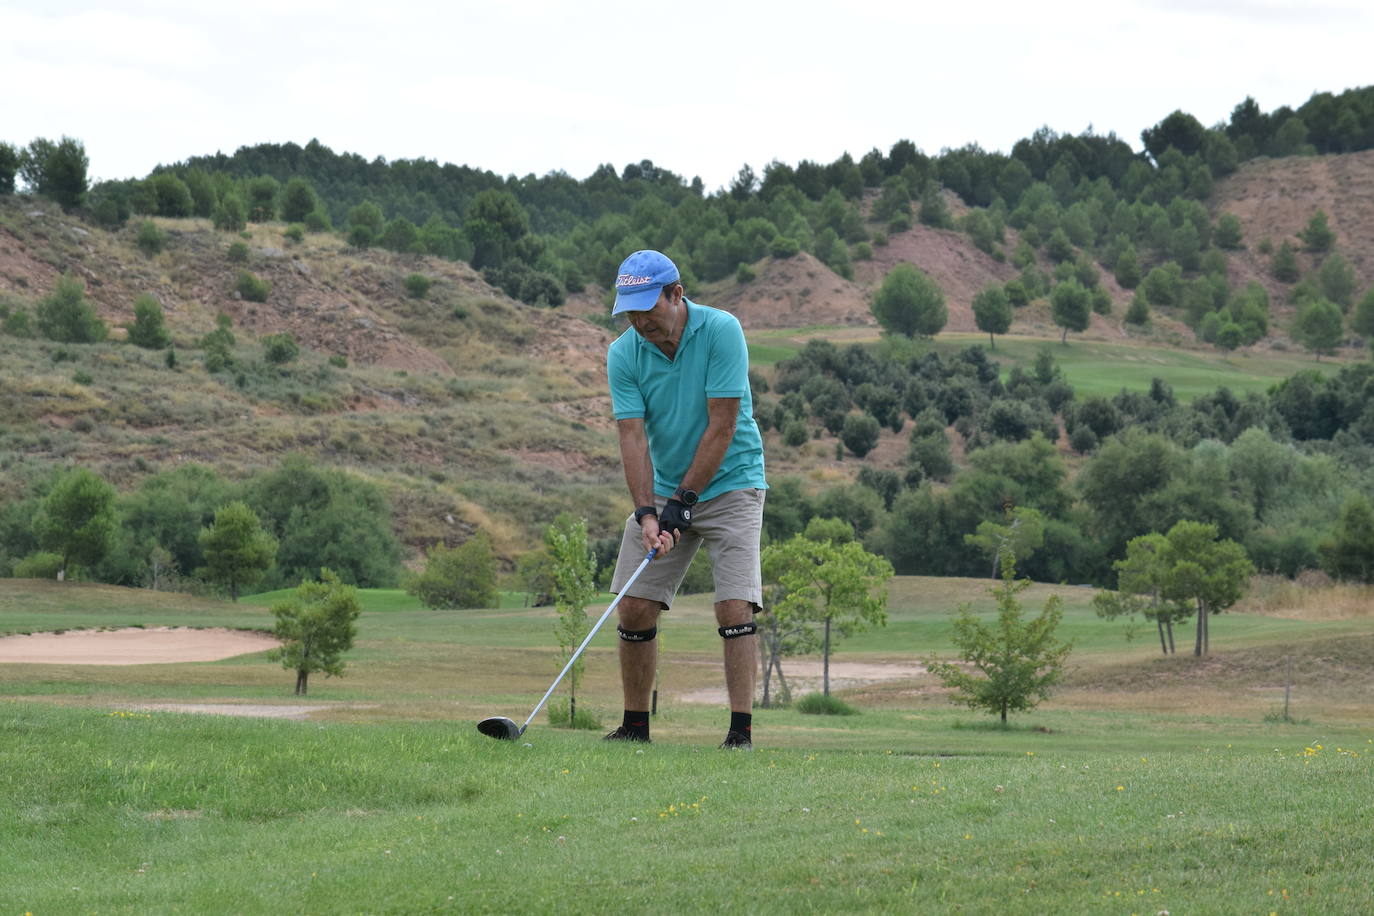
pixel 715 442
pixel 639 467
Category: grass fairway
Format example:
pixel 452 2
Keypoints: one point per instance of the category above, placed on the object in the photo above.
pixel 1092 367
pixel 1147 784
pixel 106 812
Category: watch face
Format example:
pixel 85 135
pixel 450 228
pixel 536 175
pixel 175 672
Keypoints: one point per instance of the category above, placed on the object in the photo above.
pixel 687 496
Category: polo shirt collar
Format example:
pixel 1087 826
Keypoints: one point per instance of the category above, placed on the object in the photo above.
pixel 695 319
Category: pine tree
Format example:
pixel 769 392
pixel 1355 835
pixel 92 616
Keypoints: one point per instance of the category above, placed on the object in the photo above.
pixel 238 551
pixel 1015 662
pixel 316 626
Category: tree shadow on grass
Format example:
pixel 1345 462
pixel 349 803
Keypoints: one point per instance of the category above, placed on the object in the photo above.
pixel 997 726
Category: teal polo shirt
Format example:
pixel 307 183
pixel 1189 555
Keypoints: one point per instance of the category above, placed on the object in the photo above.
pixel 670 395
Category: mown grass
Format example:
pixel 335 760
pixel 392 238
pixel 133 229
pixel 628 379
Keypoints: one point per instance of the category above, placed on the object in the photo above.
pixel 380 600
pixel 1092 367
pixel 416 663
pixel 387 800
pixel 139 812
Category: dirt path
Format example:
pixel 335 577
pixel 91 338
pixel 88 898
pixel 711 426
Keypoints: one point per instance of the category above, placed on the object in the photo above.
pixel 805 674
pixel 133 646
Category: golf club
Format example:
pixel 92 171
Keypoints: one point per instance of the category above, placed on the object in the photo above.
pixel 506 729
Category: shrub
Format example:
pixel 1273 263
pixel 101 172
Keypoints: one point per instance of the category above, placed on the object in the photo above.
pixel 262 198
pixel 934 210
pixel 1318 326
pixel 361 236
pixel 1139 311
pixel 1318 235
pixel 1059 247
pixel 863 252
pixel 744 273
pixel 1362 322
pixel 1083 440
pixel 82 377
pixel 251 287
pixel 1016 293
pixel 107 213
pixel 17 323
pixel 150 238
pixel 784 247
pixel 367 214
pixel 317 221
pixel 231 215
pixel 417 286
pixel 794 433
pixel 1337 279
pixel 65 316
pixel 1229 336
pixel 280 349
pixel 399 235
pixel 338 361
pixel 219 345
pixel 1162 284
pixel 1228 232
pixel 148 330
pixel 298 200
pixel 170 196
pixel 294 233
pixel 40 565
pixel 1127 269
pixel 818 704
pixel 860 433
pixel 1284 265
pixel 237 253
pixel 1101 300
pixel 462 577
pixel 585 718
pixel 10 159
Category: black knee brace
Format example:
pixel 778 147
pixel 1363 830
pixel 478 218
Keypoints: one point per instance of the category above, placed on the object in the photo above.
pixel 738 630
pixel 636 635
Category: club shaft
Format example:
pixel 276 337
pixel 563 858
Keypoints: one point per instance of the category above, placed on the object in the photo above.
pixel 578 654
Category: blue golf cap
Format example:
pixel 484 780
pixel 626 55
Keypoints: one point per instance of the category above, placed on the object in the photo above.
pixel 642 275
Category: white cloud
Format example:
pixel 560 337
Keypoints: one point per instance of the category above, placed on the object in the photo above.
pixel 543 84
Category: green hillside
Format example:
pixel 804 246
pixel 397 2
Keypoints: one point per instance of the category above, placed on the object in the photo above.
pixel 416 351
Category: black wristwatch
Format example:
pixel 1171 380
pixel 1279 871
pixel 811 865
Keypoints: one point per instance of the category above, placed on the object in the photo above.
pixel 685 496
pixel 643 511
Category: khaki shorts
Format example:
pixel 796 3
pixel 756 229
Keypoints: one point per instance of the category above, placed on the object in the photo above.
pixel 729 525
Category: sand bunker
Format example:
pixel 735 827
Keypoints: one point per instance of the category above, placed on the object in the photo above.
pixel 134 646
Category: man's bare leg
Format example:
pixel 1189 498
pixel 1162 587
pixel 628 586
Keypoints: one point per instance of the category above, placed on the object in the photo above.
pixel 638 660
pixel 741 654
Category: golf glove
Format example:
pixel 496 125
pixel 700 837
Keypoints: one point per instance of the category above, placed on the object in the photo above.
pixel 675 517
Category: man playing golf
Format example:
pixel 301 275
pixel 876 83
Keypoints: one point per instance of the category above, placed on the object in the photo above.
pixel 693 456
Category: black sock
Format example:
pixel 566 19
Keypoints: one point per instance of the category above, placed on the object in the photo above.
pixel 636 723
pixel 742 722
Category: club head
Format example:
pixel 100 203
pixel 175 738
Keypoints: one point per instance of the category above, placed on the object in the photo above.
pixel 500 727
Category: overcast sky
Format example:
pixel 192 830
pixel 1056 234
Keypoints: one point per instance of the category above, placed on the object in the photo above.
pixel 700 88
